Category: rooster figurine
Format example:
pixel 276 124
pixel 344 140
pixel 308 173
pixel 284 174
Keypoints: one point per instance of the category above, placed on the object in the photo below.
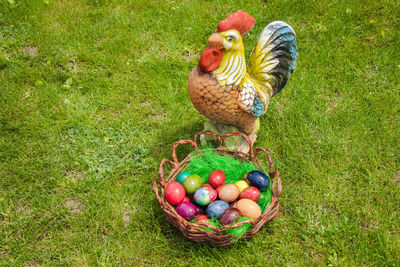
pixel 227 92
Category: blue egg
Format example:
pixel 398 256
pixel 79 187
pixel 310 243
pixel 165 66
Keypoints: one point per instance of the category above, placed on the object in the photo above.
pixel 182 176
pixel 258 179
pixel 216 208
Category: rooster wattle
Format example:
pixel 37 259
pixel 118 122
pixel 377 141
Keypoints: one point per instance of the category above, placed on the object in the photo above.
pixel 224 90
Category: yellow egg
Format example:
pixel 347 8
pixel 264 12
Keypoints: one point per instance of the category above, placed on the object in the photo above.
pixel 248 208
pixel 242 185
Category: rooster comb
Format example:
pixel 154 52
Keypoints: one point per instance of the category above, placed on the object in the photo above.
pixel 240 21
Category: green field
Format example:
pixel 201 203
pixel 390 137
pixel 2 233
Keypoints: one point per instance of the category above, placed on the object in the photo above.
pixel 93 94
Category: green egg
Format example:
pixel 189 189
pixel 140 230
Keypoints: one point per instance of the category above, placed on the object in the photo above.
pixel 192 183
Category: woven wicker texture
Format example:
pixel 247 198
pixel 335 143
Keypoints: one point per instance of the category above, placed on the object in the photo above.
pixel 194 231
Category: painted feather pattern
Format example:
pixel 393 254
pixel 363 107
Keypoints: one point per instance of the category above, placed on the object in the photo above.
pixel 229 93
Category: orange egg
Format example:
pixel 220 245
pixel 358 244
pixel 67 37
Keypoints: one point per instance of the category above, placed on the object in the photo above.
pixel 228 192
pixel 248 208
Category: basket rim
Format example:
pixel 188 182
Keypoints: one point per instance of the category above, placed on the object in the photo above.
pixel 192 230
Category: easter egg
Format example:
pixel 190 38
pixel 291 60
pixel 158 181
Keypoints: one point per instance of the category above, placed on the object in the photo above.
pixel 182 177
pixel 175 193
pixel 229 216
pixel 186 210
pixel 216 178
pixel 204 195
pixel 242 185
pixel 186 199
pixel 218 189
pixel 228 192
pixel 216 208
pixel 192 183
pixel 206 185
pixel 258 179
pixel 248 208
pixel 199 211
pixel 202 218
pixel 250 192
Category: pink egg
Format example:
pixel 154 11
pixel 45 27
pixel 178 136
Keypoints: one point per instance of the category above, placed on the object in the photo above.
pixel 228 192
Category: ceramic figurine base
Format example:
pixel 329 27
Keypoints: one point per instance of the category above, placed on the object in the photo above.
pixel 235 142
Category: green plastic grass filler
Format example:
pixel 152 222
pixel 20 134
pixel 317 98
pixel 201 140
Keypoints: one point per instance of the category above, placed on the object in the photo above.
pixel 205 161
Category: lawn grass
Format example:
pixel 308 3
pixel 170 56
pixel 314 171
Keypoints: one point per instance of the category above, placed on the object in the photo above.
pixel 93 94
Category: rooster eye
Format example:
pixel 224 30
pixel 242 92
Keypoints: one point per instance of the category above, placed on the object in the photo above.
pixel 229 38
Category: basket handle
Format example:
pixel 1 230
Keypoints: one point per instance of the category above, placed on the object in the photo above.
pixel 161 170
pixel 266 152
pixel 277 185
pixel 245 138
pixel 175 146
pixel 207 132
pixel 277 188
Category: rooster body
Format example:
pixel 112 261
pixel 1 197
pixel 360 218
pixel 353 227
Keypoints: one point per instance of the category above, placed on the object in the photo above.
pixel 224 90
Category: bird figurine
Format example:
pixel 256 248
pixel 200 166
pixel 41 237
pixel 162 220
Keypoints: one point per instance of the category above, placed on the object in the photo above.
pixel 225 90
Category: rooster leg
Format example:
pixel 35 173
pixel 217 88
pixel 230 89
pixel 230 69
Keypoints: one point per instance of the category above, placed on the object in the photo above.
pixel 250 129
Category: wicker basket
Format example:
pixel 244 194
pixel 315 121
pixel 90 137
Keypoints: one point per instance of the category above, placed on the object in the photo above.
pixel 193 231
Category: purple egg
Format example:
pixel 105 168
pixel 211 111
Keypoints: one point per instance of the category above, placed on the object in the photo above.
pixel 230 215
pixel 186 210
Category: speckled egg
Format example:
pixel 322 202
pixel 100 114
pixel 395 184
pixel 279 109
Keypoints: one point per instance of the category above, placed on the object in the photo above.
pixel 204 195
pixel 202 218
pixel 216 208
pixel 250 192
pixel 216 178
pixel 228 192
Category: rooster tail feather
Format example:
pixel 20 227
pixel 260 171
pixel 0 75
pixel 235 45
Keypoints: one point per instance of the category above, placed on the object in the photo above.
pixel 274 57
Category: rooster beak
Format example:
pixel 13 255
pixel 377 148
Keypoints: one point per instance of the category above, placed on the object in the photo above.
pixel 216 40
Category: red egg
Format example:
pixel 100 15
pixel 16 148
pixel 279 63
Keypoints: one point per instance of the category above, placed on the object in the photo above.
pixel 186 199
pixel 202 218
pixel 175 193
pixel 250 192
pixel 216 178
pixel 207 186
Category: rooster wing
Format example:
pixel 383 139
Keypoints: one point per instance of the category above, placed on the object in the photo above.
pixel 271 63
